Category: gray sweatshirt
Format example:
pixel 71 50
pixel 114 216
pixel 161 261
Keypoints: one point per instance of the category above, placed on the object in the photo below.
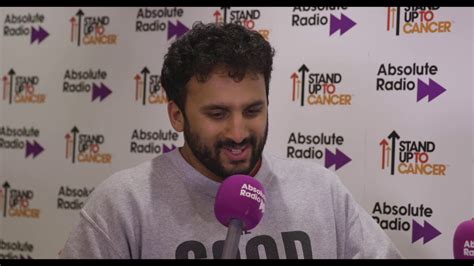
pixel 164 209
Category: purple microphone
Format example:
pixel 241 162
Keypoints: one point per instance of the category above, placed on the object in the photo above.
pixel 463 242
pixel 240 204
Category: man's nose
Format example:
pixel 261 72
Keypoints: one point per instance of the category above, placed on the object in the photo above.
pixel 237 129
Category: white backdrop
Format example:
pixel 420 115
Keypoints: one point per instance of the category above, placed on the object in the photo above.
pixel 73 100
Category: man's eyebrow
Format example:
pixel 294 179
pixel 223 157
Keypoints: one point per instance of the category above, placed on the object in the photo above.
pixel 257 103
pixel 211 107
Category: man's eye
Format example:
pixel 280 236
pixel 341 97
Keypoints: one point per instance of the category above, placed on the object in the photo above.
pixel 217 115
pixel 253 112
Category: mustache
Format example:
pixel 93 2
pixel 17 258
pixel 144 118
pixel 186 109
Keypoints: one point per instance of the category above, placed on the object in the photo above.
pixel 228 143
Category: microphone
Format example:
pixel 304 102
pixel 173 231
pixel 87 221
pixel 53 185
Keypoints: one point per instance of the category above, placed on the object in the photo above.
pixel 239 205
pixel 463 241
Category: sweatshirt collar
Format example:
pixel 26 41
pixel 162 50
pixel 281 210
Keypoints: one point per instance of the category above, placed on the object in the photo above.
pixel 204 184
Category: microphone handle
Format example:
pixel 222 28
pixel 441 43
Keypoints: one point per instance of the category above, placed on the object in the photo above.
pixel 231 243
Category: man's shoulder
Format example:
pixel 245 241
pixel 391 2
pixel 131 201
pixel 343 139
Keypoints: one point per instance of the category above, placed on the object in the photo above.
pixel 129 181
pixel 298 168
pixel 126 177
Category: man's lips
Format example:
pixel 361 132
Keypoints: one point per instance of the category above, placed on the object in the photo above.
pixel 239 153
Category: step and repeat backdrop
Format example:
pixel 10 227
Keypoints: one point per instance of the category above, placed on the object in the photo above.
pixel 382 96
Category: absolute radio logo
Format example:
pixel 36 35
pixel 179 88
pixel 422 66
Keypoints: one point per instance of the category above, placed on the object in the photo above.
pixel 406 78
pixel 148 88
pixel 245 17
pixel 416 20
pixel 89 81
pixel 157 142
pixel 160 20
pixel 28 26
pixel 409 156
pixel 22 89
pixel 397 218
pixel 72 198
pixel 316 89
pixel 17 202
pixel 22 138
pixel 91 30
pixel 316 147
pixel 319 16
pixel 15 249
pixel 86 148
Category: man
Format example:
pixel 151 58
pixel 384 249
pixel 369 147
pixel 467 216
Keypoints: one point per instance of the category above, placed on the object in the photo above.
pixel 217 82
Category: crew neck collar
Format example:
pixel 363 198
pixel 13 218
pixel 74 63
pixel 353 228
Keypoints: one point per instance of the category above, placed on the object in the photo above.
pixel 204 184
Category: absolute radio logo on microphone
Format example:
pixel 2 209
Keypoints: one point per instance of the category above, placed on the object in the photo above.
pixel 153 142
pixel 319 16
pixel 89 81
pixel 249 18
pixel 409 157
pixel 409 217
pixel 15 249
pixel 21 139
pixel 410 78
pixel 416 20
pixel 22 89
pixel 318 88
pixel 27 26
pixel 148 89
pixel 84 147
pixel 316 147
pixel 163 19
pixel 17 202
pixel 468 249
pixel 251 192
pixel 91 29
pixel 70 198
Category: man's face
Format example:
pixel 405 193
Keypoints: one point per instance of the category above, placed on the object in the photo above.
pixel 226 123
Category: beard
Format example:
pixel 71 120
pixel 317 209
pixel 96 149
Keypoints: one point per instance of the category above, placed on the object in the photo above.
pixel 209 155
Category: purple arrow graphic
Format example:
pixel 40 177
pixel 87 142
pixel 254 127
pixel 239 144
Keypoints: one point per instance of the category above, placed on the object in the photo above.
pixel 102 91
pixel 339 159
pixel 34 149
pixel 95 91
pixel 432 90
pixel 166 149
pixel 39 34
pixel 427 232
pixel 417 231
pixel 178 29
pixel 430 232
pixel 333 24
pixel 344 24
pixel 436 90
pixel 422 91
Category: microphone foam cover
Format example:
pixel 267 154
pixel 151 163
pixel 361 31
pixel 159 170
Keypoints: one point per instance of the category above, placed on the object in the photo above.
pixel 240 197
pixel 463 241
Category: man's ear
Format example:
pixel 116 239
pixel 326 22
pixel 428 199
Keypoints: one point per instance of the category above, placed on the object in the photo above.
pixel 176 116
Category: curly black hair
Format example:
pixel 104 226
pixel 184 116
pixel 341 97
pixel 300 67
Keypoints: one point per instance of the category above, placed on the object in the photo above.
pixel 206 46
